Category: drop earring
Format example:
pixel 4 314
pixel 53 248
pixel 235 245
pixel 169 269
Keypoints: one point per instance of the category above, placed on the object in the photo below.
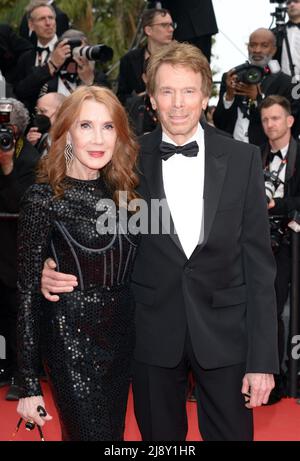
pixel 68 153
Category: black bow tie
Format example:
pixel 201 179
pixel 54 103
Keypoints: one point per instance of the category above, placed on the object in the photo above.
pixel 41 49
pixel 272 155
pixel 188 150
pixel 292 24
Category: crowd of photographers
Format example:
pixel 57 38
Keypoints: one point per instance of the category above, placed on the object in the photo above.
pixel 259 102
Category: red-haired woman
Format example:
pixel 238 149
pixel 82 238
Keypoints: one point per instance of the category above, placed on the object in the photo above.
pixel 87 336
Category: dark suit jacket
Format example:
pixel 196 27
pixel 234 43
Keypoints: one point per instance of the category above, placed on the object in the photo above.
pixel 11 48
pixel 194 18
pixel 62 24
pixel 291 199
pixel 225 119
pixel 12 188
pixel 224 293
pixel 130 74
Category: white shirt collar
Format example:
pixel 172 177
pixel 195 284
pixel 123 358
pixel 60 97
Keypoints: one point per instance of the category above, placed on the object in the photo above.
pixel 49 44
pixel 283 151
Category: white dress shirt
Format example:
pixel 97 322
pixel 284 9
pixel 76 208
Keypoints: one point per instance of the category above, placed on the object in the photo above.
pixel 274 166
pixel 45 55
pixel 293 34
pixel 183 179
pixel 240 132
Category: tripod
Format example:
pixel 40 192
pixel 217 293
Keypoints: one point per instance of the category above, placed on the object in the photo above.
pixel 282 36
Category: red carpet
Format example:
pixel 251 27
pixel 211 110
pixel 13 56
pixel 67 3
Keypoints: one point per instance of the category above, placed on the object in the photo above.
pixel 280 422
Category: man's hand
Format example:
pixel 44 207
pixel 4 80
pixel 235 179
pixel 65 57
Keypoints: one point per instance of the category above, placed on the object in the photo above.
pixel 85 69
pixel 55 282
pixel 246 89
pixel 271 204
pixel 231 80
pixel 61 52
pixel 6 161
pixel 258 387
pixel 33 135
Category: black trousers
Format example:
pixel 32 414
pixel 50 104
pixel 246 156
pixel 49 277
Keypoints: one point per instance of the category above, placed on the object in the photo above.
pixel 160 401
pixel 282 285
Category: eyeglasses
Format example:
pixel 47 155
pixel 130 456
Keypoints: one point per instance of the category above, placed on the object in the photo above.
pixel 165 25
pixel 292 1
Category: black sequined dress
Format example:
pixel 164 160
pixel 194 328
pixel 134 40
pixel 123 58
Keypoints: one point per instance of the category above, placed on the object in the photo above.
pixel 87 337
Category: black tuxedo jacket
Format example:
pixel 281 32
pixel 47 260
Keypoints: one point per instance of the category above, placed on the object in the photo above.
pixel 291 200
pixel 225 119
pixel 194 18
pixel 224 292
pixel 31 79
pixel 130 74
pixel 11 48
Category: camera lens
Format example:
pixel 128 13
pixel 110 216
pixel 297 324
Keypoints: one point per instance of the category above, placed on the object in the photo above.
pixel 254 75
pixel 6 141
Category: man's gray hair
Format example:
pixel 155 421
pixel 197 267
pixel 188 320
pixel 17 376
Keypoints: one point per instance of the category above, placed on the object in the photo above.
pixel 19 115
pixel 34 4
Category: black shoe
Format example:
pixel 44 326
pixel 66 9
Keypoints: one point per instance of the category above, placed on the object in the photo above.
pixel 5 377
pixel 14 391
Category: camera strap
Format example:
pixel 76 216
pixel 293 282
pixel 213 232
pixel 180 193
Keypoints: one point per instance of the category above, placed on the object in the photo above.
pixel 19 146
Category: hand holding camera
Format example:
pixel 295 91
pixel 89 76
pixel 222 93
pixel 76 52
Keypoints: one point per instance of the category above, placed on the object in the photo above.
pixel 59 55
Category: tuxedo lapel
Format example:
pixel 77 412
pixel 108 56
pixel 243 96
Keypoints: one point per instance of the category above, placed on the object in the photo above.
pixel 152 170
pixel 291 163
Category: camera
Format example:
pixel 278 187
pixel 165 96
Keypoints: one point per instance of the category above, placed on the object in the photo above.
pixel 272 182
pixel 6 129
pixel 249 73
pixel 102 53
pixel 278 232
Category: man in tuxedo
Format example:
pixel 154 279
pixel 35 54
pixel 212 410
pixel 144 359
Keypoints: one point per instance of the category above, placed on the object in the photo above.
pixel 158 27
pixel 196 22
pixel 237 111
pixel 62 20
pixel 49 67
pixel 292 28
pixel 204 288
pixel 281 155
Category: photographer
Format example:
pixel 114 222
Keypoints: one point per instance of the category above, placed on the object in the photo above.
pixel 18 159
pixel 281 162
pixel 292 29
pixel 46 110
pixel 158 27
pixel 237 109
pixel 51 66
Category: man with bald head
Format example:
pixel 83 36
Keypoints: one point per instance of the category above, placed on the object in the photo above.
pixel 46 108
pixel 237 110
